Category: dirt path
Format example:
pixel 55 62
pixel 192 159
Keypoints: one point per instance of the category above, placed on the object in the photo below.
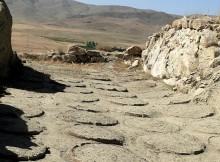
pixel 81 114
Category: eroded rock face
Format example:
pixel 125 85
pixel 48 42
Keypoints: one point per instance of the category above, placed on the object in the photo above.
pixel 7 57
pixel 185 52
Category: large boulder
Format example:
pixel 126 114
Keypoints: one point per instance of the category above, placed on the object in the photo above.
pixel 185 50
pixel 69 58
pixel 7 57
pixel 134 51
pixel 78 54
pixel 76 50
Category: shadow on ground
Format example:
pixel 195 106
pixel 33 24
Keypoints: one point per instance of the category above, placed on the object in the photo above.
pixel 17 143
pixel 14 146
pixel 3 91
pixel 32 80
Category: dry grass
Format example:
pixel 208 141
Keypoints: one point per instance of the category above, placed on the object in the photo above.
pixel 34 57
pixel 34 38
pixel 21 42
pixel 104 47
pixel 120 66
pixel 60 51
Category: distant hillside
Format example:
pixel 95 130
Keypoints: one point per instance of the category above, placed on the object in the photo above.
pixel 56 10
pixel 69 21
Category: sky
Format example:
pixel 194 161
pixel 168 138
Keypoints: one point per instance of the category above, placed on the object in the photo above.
pixel 179 7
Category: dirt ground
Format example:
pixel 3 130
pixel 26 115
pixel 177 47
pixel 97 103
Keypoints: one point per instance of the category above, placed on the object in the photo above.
pixel 101 113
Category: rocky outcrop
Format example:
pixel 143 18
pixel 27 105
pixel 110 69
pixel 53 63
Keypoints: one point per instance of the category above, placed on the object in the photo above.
pixel 76 50
pixel 185 53
pixel 7 58
pixel 77 54
pixel 74 54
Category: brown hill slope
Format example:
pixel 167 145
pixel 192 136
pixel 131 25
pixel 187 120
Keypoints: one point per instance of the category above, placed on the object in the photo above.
pixel 63 9
pixel 79 22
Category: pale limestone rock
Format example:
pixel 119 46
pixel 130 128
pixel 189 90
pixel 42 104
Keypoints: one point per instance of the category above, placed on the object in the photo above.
pixel 189 46
pixel 136 63
pixel 198 24
pixel 199 92
pixel 171 81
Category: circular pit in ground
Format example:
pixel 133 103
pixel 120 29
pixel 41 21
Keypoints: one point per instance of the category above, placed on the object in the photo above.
pixel 181 144
pixel 20 148
pixel 127 101
pixel 88 118
pixel 20 126
pixel 90 108
pixel 152 125
pixel 99 134
pixel 102 153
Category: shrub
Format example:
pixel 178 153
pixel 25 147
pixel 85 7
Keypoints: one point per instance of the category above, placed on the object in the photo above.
pixel 119 49
pixel 91 45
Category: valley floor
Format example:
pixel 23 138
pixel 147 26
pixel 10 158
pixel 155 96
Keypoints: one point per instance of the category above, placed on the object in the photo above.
pixel 105 114
pixel 34 38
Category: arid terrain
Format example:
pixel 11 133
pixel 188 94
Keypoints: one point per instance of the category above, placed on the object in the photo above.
pixel 34 39
pixel 105 113
pixel 112 110
pixel 40 26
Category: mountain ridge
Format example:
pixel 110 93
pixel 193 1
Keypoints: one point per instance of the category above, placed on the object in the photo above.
pixel 56 10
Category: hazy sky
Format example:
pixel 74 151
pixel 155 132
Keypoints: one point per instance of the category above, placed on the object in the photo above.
pixel 181 7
